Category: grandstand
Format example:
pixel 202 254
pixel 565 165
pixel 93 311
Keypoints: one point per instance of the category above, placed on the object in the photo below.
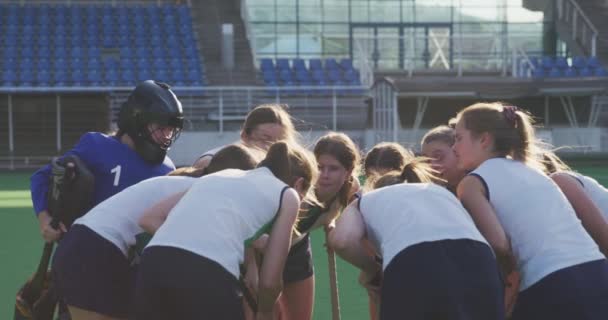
pixel 379 70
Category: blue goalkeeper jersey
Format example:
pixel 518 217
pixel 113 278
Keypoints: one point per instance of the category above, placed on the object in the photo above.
pixel 114 165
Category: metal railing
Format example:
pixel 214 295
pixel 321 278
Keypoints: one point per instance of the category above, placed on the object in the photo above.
pixel 583 30
pixel 217 108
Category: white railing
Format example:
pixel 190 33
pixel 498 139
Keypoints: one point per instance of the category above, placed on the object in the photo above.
pixel 217 107
pixel 210 109
pixel 583 30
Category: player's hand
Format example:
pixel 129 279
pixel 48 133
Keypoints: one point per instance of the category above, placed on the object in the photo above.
pixel 371 282
pixel 251 280
pixel 49 234
pixel 259 244
pixel 511 291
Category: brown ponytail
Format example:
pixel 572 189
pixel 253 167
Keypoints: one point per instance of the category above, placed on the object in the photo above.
pixel 288 162
pixel 552 163
pixel 234 156
pixel 187 172
pixel 416 170
pixel 386 156
pixel 230 157
pixel 510 127
pixel 278 162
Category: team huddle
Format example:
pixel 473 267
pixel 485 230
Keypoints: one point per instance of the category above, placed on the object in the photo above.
pixel 486 223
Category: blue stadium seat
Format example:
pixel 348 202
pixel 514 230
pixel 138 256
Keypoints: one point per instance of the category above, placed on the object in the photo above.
pixel 334 75
pixel 593 62
pixel 9 78
pixel 547 63
pixel 346 64
pixel 555 73
pixel 303 76
pixel 351 75
pixel 266 64
pixel 50 44
pixel 269 77
pixel 318 75
pixel 585 72
pixel 282 64
pixel 561 63
pixel 600 72
pixel 579 62
pixel 298 64
pixel 570 72
pixel 285 75
pixel 538 73
pixel 43 78
pixel 331 64
pixel 315 64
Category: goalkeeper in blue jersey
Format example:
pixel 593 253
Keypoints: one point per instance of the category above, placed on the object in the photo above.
pixel 148 123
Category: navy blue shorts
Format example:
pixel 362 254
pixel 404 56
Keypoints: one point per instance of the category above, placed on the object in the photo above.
pixel 447 279
pixel 578 292
pixel 177 284
pixel 299 265
pixel 91 273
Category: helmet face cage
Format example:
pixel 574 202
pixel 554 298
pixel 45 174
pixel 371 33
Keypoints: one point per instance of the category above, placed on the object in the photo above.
pixel 163 122
pixel 150 133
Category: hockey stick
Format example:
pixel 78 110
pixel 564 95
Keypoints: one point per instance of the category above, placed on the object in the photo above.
pixel 333 280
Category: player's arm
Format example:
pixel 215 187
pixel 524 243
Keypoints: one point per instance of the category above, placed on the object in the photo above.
pixel 586 210
pixel 472 194
pixel 346 239
pixel 277 248
pixel 39 188
pixel 156 215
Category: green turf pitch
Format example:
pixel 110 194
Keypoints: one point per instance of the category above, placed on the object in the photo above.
pixel 21 246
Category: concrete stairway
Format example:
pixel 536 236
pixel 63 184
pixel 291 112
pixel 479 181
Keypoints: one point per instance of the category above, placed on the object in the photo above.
pixel 208 17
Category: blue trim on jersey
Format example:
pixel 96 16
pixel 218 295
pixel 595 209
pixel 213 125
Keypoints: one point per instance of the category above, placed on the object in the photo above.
pixel 485 185
pixel 114 165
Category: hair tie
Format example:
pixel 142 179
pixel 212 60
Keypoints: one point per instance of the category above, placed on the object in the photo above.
pixel 510 113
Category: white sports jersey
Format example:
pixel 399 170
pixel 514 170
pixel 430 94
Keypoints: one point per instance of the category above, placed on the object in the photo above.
pixel 116 219
pixel 403 215
pixel 595 191
pixel 220 212
pixel 545 233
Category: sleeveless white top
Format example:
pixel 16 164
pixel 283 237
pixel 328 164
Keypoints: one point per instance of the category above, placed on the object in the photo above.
pixel 545 233
pixel 116 219
pixel 220 213
pixel 595 191
pixel 403 215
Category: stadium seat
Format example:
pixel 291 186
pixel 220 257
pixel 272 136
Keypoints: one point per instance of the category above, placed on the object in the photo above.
pixel 555 73
pixel 570 72
pixel 60 44
pixel 282 64
pixel 600 72
pixel 547 63
pixel 538 73
pixel 561 63
pixel 331 64
pixel 298 65
pixel 586 72
pixel 593 62
pixel 315 64
pixel 346 64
